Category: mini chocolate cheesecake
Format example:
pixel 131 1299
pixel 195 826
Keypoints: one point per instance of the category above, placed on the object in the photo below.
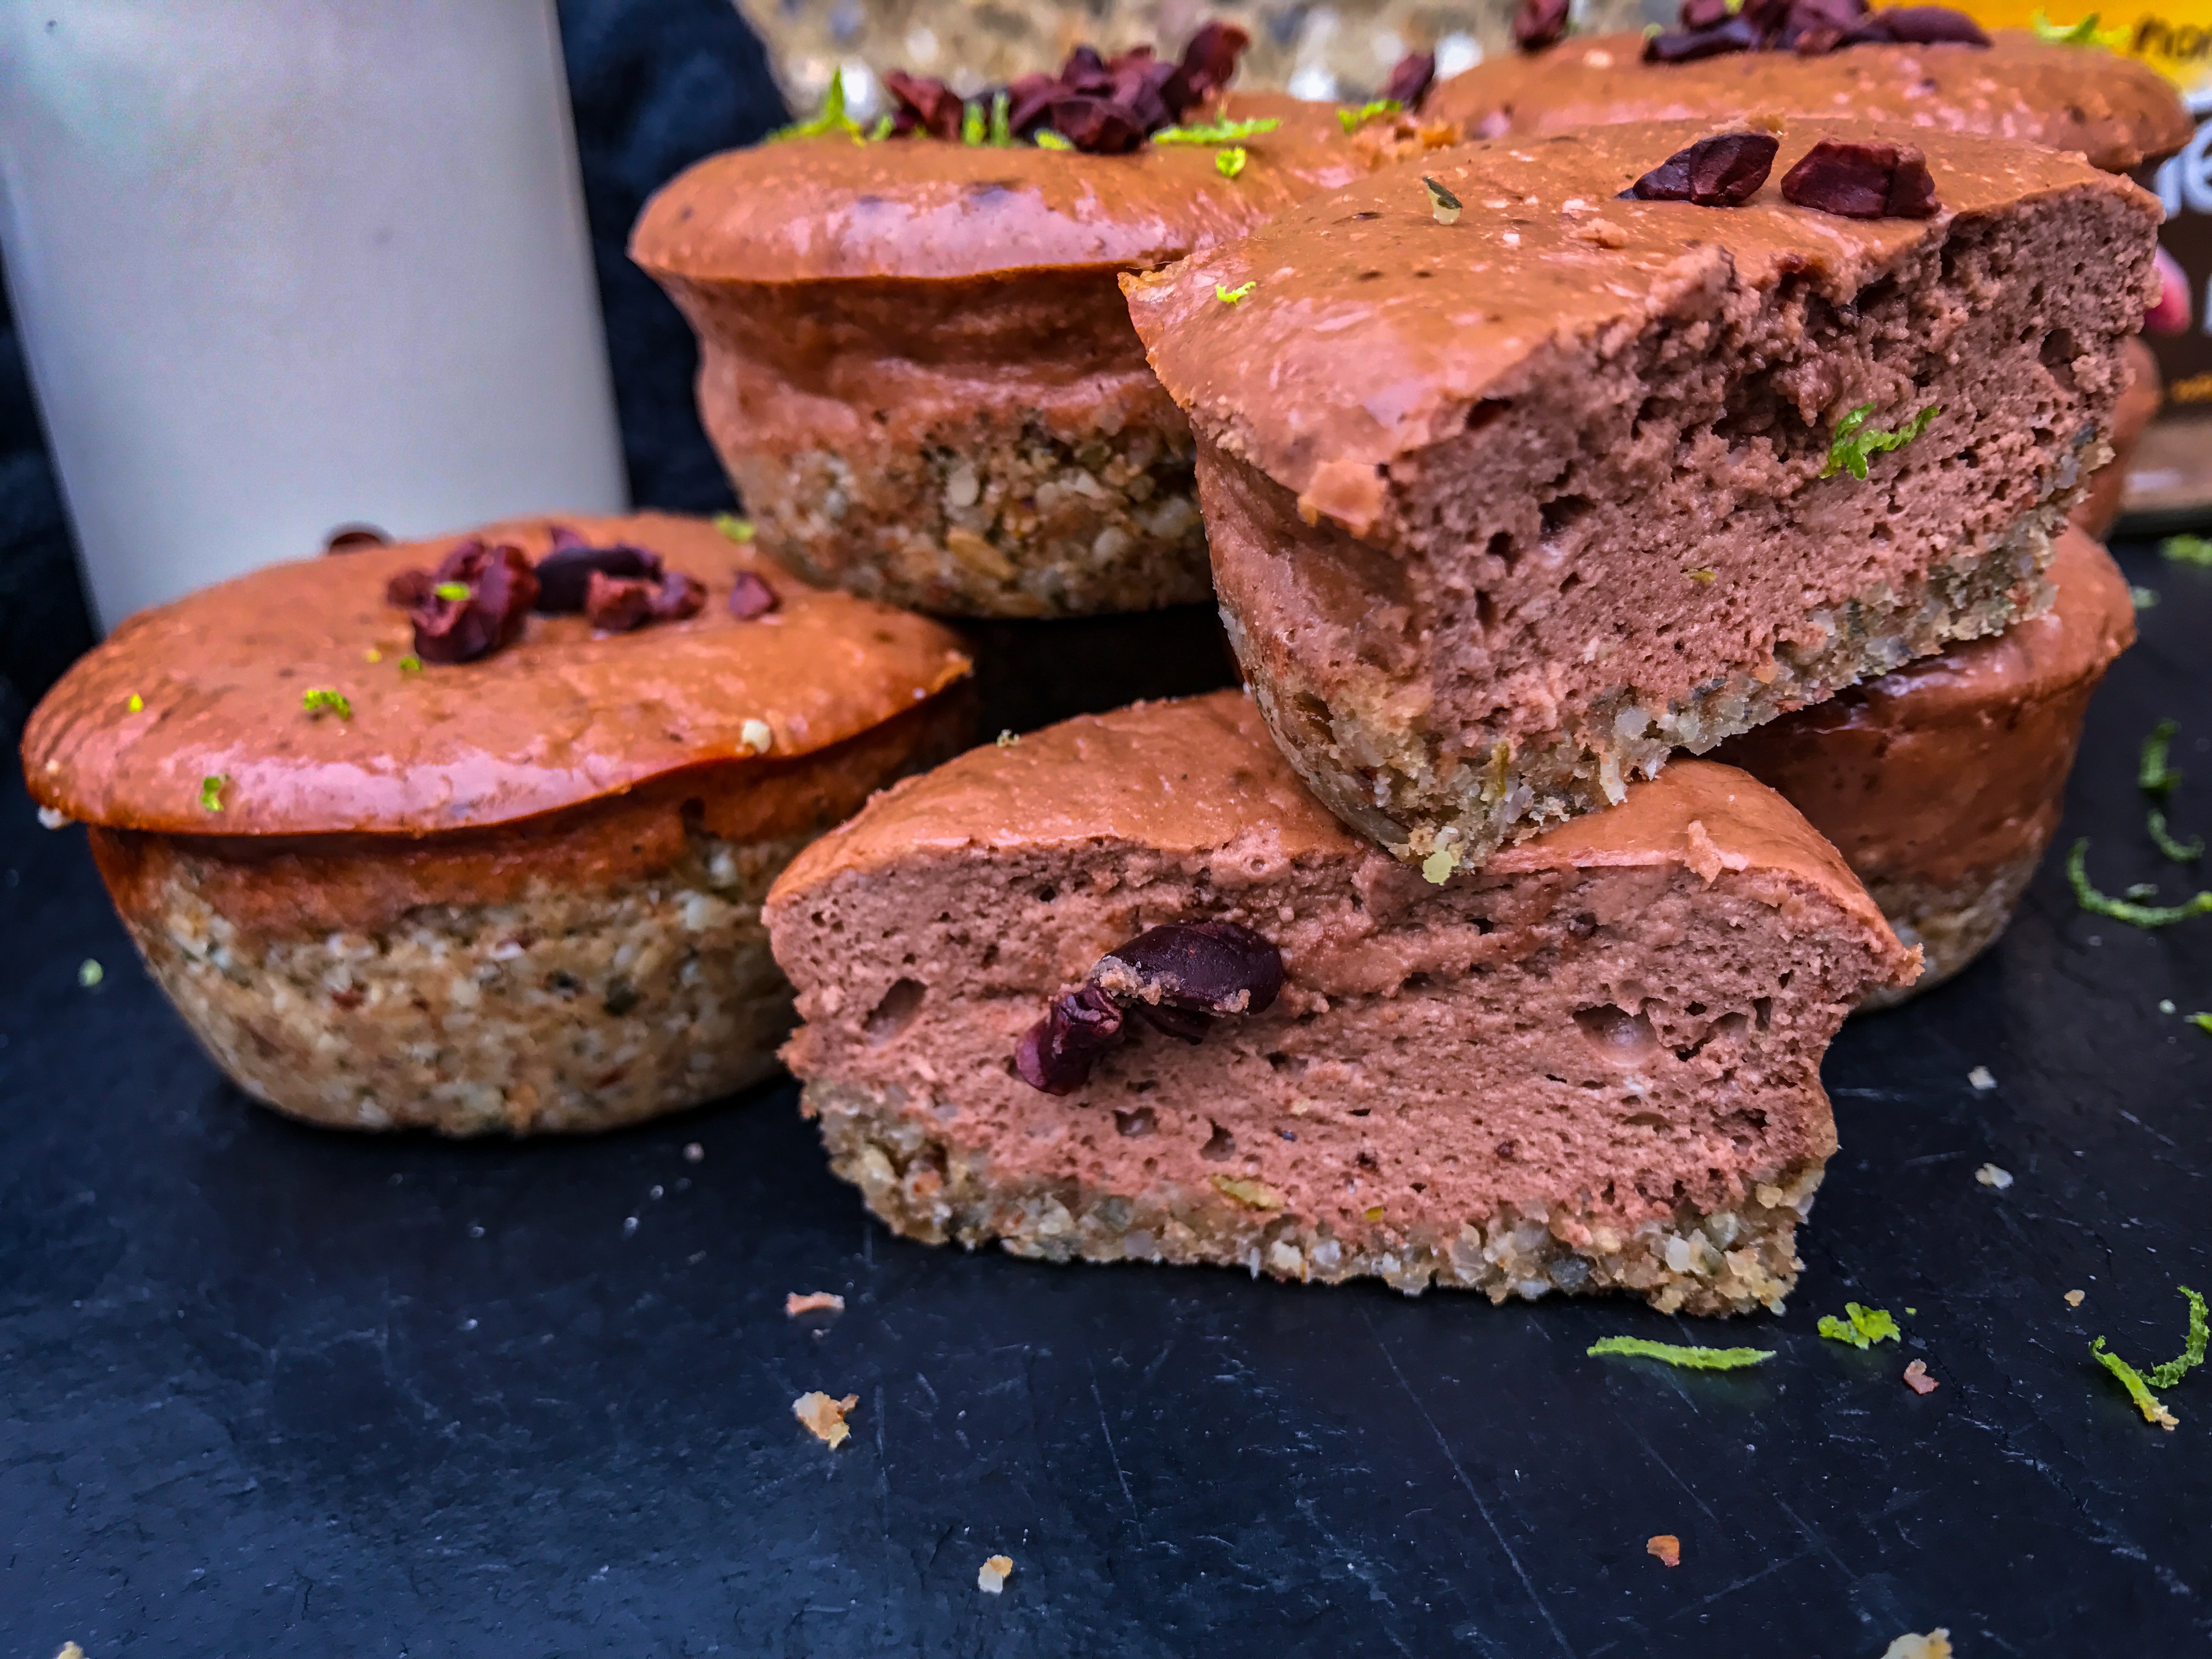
pixel 1125 991
pixel 1941 784
pixel 915 363
pixel 1825 57
pixel 471 835
pixel 1525 466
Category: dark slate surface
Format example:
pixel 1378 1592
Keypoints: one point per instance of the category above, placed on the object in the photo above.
pixel 266 1388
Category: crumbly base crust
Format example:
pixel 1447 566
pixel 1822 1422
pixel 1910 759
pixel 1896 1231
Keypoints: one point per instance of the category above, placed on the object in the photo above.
pixel 1391 781
pixel 925 1187
pixel 567 1011
pixel 1000 512
pixel 1953 924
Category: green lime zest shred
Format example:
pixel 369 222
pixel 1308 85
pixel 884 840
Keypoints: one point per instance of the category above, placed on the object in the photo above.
pixel 1217 132
pixel 1862 1327
pixel 2153 776
pixel 211 788
pixel 1353 119
pixel 2083 33
pixel 456 591
pixel 321 700
pixel 2142 598
pixel 1046 138
pixel 738 530
pixel 1002 133
pixel 831 118
pixel 2131 1380
pixel 971 123
pixel 411 664
pixel 2192 1351
pixel 1234 296
pixel 134 704
pixel 885 126
pixel 2136 915
pixel 1674 1353
pixel 2181 852
pixel 2187 550
pixel 2202 1022
pixel 1854 440
pixel 1229 162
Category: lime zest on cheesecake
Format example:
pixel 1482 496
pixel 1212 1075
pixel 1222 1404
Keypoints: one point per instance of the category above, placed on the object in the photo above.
pixel 1229 162
pixel 1234 296
pixel 831 118
pixel 1675 1354
pixel 1854 441
pixel 320 700
pixel 1353 119
pixel 1217 132
pixel 211 788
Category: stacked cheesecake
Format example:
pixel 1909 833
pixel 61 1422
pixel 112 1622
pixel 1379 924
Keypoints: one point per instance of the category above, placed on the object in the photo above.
pixel 1523 468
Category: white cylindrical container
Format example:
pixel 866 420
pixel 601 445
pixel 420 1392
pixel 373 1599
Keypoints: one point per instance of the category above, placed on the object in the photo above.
pixel 280 264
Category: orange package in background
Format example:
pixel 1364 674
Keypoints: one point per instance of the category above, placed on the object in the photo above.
pixel 2170 479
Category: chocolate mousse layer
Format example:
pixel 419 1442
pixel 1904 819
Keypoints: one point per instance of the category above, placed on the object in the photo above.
pixel 1515 487
pixel 1593 1066
pixel 1941 784
pixel 515 894
pixel 2119 114
pixel 919 371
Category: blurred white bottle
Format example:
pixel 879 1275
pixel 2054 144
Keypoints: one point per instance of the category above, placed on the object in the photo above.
pixel 279 264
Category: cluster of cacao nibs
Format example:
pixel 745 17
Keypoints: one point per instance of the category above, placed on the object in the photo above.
pixel 475 602
pixel 1178 978
pixel 1102 106
pixel 1857 178
pixel 1712 28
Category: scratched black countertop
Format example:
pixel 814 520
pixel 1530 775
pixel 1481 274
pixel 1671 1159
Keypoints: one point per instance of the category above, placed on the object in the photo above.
pixel 265 1389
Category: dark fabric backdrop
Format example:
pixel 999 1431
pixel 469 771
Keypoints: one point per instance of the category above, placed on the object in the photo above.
pixel 656 85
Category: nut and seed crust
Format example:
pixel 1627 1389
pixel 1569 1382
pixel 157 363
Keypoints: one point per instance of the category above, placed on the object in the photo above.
pixel 923 1188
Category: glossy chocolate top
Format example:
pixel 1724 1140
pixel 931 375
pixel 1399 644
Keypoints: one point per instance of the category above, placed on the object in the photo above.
pixel 2117 111
pixel 808 209
pixel 560 717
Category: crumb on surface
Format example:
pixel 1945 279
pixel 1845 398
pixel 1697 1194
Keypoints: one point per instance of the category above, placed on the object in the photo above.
pixel 1982 1079
pixel 1666 1547
pixel 52 818
pixel 2074 1297
pixel 991 1578
pixel 71 1651
pixel 1990 1176
pixel 694 1152
pixel 825 1417
pixel 1918 1380
pixel 1936 1644
pixel 795 1303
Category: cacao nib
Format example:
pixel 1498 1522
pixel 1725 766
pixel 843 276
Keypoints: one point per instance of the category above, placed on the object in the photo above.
pixel 1723 171
pixel 1056 1054
pixel 1096 126
pixel 1539 23
pixel 1921 25
pixel 1411 78
pixel 1205 967
pixel 751 598
pixel 1862 179
pixel 677 596
pixel 564 575
pixel 935 107
pixel 615 604
pixel 409 589
pixel 1209 61
pixel 1688 47
pixel 355 538
pixel 501 587
pixel 1178 978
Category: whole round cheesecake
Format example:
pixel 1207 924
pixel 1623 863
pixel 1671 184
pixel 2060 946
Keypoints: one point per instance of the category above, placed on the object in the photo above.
pixel 1941 784
pixel 915 363
pixel 472 833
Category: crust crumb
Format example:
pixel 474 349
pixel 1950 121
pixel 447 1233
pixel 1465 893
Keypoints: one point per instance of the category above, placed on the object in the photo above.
pixel 1990 1176
pixel 1918 1380
pixel 825 1417
pixel 991 1578
pixel 2074 1297
pixel 795 1303
pixel 1705 856
pixel 1666 1547
pixel 1936 1644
